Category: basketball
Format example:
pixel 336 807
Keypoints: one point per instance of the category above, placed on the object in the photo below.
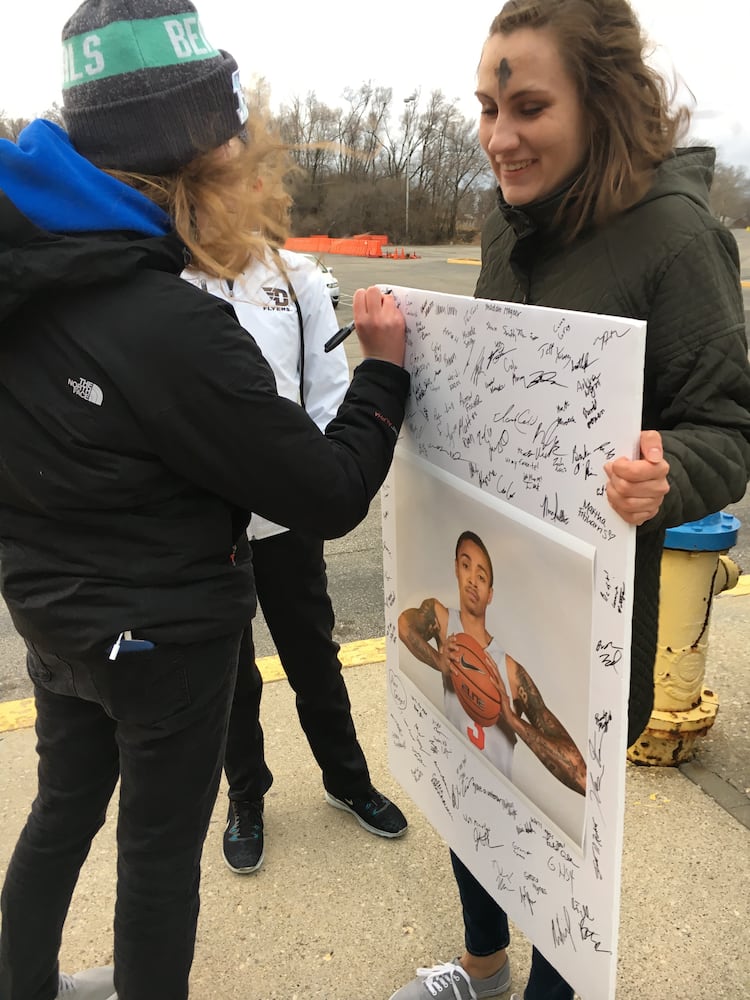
pixel 473 683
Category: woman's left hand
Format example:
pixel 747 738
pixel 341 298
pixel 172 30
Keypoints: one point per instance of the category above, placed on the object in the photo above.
pixel 636 488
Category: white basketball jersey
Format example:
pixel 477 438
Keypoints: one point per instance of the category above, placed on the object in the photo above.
pixel 492 742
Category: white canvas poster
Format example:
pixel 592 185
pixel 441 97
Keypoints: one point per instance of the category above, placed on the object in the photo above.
pixel 508 583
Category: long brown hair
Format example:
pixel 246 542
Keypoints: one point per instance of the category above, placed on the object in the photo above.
pixel 227 209
pixel 626 104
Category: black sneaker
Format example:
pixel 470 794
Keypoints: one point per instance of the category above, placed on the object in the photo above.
pixel 374 812
pixel 243 837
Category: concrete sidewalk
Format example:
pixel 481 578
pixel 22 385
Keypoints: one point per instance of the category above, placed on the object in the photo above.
pixel 336 914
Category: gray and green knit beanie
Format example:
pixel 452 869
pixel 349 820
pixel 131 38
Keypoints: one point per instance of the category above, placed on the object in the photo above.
pixel 143 90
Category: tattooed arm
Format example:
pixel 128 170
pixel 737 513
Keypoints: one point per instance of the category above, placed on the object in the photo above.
pixel 544 734
pixel 418 627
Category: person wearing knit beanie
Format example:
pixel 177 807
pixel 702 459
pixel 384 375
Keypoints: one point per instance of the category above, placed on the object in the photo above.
pixel 143 89
pixel 139 428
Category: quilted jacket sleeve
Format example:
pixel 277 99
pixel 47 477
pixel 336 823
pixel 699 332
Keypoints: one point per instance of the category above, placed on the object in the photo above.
pixel 697 379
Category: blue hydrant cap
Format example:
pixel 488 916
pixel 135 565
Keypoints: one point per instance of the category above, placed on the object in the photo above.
pixel 711 534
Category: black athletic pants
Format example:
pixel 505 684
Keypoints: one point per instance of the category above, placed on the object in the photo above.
pixel 157 720
pixel 290 578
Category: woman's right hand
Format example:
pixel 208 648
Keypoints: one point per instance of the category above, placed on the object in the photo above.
pixel 380 326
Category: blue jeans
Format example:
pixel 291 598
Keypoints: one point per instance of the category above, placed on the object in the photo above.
pixel 291 584
pixel 156 719
pixel 486 931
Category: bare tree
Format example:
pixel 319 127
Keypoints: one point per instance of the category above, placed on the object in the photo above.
pixel 54 114
pixel 11 128
pixel 258 95
pixel 730 193
pixel 309 127
pixel 447 160
pixel 360 130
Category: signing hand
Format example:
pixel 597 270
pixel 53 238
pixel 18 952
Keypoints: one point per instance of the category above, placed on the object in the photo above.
pixel 380 326
pixel 636 488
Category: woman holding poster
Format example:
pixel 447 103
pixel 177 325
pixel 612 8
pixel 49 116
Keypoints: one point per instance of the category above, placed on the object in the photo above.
pixel 599 212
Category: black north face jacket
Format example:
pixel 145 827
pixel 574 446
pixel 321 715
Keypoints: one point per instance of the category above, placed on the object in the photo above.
pixel 139 427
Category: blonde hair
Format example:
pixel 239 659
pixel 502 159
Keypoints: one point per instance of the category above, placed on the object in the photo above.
pixel 626 104
pixel 227 207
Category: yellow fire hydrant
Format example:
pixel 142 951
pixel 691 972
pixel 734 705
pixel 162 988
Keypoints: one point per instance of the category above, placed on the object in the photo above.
pixel 694 568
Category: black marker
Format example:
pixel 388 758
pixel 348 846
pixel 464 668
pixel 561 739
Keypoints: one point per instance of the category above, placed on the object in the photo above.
pixel 338 338
pixel 343 333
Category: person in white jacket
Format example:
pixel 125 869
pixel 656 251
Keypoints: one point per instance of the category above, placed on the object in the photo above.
pixel 284 304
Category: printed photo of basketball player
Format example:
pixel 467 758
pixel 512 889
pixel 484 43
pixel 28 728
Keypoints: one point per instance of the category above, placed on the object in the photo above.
pixel 489 696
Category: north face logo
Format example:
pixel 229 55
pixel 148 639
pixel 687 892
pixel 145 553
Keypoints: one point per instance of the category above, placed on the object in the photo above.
pixel 87 390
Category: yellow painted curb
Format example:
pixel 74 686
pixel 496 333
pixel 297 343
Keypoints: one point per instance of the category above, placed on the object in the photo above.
pixel 21 714
pixel 351 654
pixel 17 715
pixel 464 260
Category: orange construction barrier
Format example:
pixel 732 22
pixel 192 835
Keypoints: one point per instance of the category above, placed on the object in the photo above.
pixel 365 245
pixel 309 244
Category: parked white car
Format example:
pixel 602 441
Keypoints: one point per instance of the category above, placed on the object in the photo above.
pixel 331 280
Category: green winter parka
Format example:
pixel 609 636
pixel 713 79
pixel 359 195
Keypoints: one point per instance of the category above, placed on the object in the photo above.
pixel 669 261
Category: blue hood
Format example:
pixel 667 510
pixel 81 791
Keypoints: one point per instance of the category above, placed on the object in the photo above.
pixel 62 192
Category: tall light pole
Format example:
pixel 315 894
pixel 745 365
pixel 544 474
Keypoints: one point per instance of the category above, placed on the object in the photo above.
pixel 407 101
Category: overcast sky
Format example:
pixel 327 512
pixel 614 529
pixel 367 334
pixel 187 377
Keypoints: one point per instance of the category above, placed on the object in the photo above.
pixel 301 46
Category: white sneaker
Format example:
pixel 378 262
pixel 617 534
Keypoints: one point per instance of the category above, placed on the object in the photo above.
pixel 91 984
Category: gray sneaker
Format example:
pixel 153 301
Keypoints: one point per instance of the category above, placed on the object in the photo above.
pixel 451 982
pixel 91 984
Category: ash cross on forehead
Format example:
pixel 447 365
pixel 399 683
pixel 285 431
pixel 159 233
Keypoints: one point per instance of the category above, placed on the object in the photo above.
pixel 504 72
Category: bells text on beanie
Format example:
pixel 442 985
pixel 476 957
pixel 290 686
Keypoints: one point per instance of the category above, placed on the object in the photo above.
pixel 143 90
